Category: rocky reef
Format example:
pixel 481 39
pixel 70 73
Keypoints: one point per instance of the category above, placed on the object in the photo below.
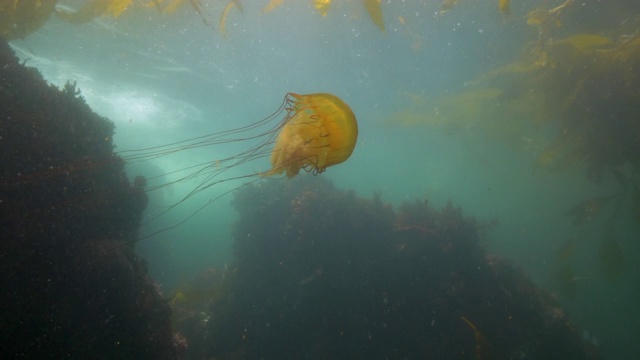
pixel 321 273
pixel 72 285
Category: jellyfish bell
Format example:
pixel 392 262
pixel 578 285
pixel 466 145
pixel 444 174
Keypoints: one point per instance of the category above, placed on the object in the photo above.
pixel 321 132
pixel 309 132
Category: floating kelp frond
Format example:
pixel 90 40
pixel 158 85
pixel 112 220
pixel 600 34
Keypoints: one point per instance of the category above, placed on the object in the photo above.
pixel 447 5
pixel 583 41
pixel 93 10
pixel 272 5
pixel 116 8
pixel 537 16
pixel 582 86
pixel 222 24
pixel 454 112
pixel 504 6
pixel 172 6
pixel 513 68
pixel 21 18
pixel 322 6
pixel 375 13
pixel 540 16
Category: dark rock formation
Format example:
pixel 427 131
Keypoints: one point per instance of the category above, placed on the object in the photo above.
pixel 325 274
pixel 71 284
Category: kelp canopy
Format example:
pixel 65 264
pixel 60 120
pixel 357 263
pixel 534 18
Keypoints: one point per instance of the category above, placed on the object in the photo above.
pixel 585 86
pixel 21 18
pixel 571 100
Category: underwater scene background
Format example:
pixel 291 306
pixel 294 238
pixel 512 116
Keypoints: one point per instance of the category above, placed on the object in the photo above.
pixel 490 209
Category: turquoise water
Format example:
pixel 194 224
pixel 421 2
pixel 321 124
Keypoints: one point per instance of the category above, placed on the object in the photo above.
pixel 166 78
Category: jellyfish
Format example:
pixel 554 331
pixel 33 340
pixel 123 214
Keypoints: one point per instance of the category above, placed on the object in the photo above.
pixel 319 131
pixel 307 132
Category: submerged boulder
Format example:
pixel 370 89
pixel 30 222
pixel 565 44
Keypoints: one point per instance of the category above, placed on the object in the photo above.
pixel 72 285
pixel 324 274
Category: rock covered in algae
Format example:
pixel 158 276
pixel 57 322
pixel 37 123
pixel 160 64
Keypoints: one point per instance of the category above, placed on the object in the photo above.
pixel 325 274
pixel 72 288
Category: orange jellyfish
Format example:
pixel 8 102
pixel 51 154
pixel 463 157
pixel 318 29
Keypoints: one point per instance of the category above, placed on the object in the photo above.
pixel 319 131
pixel 311 132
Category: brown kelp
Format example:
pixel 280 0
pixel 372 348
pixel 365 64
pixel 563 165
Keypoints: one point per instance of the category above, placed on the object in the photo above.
pixel 570 101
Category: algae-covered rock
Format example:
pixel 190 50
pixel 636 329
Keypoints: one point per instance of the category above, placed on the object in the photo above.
pixel 72 286
pixel 325 274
